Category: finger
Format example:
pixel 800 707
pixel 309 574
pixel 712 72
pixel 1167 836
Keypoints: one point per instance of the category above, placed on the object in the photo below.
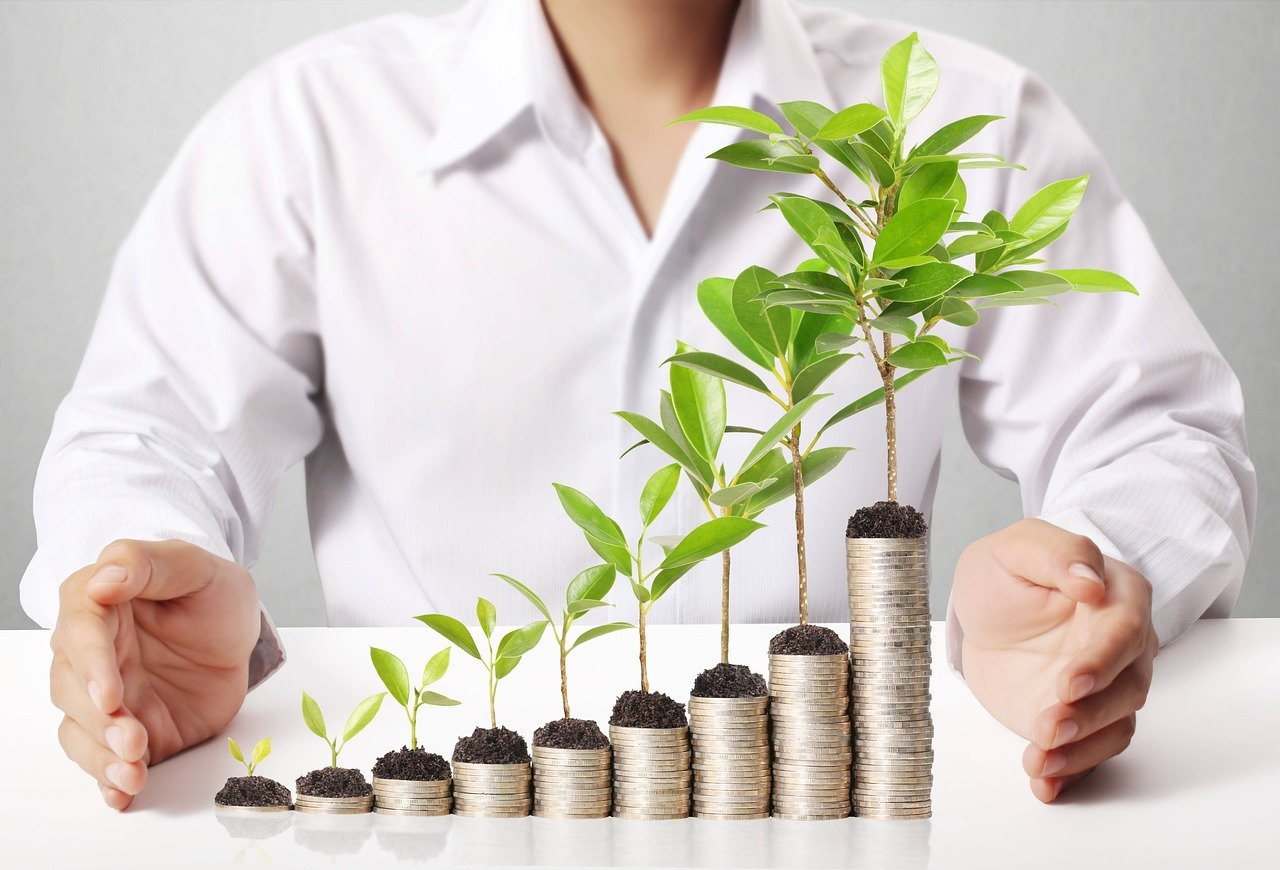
pixel 1118 638
pixel 152 570
pixel 1083 754
pixel 1066 723
pixel 119 731
pixel 1049 789
pixel 99 762
pixel 116 799
pixel 85 637
pixel 1047 556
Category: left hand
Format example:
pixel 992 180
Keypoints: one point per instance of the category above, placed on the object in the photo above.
pixel 1058 646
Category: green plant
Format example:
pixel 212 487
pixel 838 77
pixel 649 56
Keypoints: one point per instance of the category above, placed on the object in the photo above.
pixel 584 593
pixel 605 536
pixel 361 716
pixel 497 662
pixel 906 279
pixel 260 751
pixel 395 676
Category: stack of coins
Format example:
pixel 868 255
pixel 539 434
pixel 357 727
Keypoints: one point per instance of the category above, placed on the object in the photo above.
pixel 495 791
pixel 338 806
pixel 572 783
pixel 412 797
pixel 809 711
pixel 237 810
pixel 889 644
pixel 730 757
pixel 652 777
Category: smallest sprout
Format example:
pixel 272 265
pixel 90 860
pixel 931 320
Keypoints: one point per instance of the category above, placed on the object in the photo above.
pixel 361 716
pixel 260 752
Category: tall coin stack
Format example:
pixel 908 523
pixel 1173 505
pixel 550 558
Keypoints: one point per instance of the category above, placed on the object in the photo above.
pixel 889 645
pixel 412 797
pixel 571 783
pixel 809 709
pixel 495 791
pixel 652 777
pixel 730 757
pixel 338 806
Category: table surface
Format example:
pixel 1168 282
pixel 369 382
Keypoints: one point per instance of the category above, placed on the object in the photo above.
pixel 1197 787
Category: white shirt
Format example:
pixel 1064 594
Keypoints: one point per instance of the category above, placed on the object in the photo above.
pixel 401 252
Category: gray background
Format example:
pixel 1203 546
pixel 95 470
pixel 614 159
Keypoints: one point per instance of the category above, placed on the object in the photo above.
pixel 96 97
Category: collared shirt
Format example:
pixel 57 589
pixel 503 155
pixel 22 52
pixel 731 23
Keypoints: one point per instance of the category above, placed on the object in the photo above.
pixel 401 252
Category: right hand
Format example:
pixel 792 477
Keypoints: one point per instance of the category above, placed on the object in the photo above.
pixel 150 656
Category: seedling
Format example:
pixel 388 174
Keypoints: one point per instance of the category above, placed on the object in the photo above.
pixel 260 751
pixel 586 592
pixel 906 279
pixel 605 536
pixel 395 676
pixel 497 662
pixel 361 716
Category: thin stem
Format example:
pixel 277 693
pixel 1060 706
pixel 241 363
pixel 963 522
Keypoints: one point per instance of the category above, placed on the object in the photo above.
pixel 802 568
pixel 644 651
pixel 412 712
pixel 564 679
pixel 890 421
pixel 724 602
pixel 868 226
pixel 333 752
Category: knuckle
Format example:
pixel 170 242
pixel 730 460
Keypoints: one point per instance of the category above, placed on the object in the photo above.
pixel 64 735
pixel 123 552
pixel 1083 548
pixel 1128 728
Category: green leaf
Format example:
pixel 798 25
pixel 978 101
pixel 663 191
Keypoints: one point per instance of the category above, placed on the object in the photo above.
pixel 847 123
pixel 910 77
pixel 896 324
pixel 520 641
pixel 700 470
pixel 593 583
pixel 818 282
pixel 435 699
pixel 657 492
pixel 313 718
pixel 913 230
pixel 847 155
pixel 766 467
pixel 832 341
pixel 805 116
pixel 771 329
pixel 953 135
pixel 810 303
pixel 587 516
pixel 712 537
pixel 815 227
pixel 532 597
pixel 1037 284
pixel 261 750
pixel 487 615
pixel 813 468
pixel 925 282
pixel 974 243
pixel 731 495
pixel 781 428
pixel 918 354
pixel 870 400
pixel 453 631
pixel 665 579
pixel 733 116
pixel 766 155
pixel 583 605
pixel 504 666
pixel 816 373
pixel 362 715
pixel 933 181
pixel 393 673
pixel 699 402
pixel 952 310
pixel 436 667
pixel 715 297
pixel 1049 208
pixel 599 631
pixel 640 592
pixel 235 750
pixel 1094 281
pixel 664 440
pixel 976 286
pixel 721 367
pixel 874 163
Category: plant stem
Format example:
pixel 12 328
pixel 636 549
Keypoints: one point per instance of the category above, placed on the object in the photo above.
pixel 564 679
pixel 493 692
pixel 867 225
pixel 890 421
pixel 413 722
pixel 724 606
pixel 644 651
pixel 802 568
pixel 333 754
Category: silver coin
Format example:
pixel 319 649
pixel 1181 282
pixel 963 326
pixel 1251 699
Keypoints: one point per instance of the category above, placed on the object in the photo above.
pixel 334 811
pixel 311 800
pixel 550 813
pixel 444 810
pixel 491 814
pixel 731 817
pixel 236 810
pixel 472 769
pixel 648 816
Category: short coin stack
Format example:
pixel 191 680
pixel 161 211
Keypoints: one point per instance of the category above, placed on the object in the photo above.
pixel 730 757
pixel 572 783
pixel 809 709
pixel 495 791
pixel 412 797
pixel 889 644
pixel 339 806
pixel 652 777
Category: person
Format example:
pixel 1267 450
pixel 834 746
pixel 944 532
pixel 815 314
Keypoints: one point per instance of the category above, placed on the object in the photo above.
pixel 430 255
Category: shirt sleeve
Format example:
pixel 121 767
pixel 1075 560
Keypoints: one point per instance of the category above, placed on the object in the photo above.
pixel 1116 414
pixel 199 385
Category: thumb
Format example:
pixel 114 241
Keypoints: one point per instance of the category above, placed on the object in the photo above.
pixel 151 570
pixel 1051 557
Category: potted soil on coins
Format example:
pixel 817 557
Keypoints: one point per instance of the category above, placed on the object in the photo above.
pixel 333 789
pixel 649 730
pixel 571 757
pixel 729 722
pixel 410 781
pixel 491 768
pixel 252 794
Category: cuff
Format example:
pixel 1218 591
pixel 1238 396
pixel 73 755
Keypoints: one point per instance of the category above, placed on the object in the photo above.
pixel 268 654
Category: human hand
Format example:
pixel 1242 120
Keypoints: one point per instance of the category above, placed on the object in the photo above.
pixel 1058 646
pixel 150 656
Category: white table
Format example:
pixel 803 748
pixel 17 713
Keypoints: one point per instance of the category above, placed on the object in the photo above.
pixel 1199 786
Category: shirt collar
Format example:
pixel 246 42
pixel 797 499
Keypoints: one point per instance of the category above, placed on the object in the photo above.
pixel 511 64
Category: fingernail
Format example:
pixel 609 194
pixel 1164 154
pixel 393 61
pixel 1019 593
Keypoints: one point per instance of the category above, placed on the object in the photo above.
pixel 1053 762
pixel 1067 731
pixel 115 775
pixel 110 574
pixel 1081 686
pixel 1084 572
pixel 95 692
pixel 115 739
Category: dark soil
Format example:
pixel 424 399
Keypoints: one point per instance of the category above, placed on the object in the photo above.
pixel 807 640
pixel 254 791
pixel 570 734
pixel 415 764
pixel 635 709
pixel 492 746
pixel 334 782
pixel 886 519
pixel 729 681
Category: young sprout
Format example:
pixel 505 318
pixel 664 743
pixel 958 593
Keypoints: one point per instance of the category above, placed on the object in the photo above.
pixel 361 716
pixel 395 676
pixel 498 662
pixel 260 751
pixel 586 592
